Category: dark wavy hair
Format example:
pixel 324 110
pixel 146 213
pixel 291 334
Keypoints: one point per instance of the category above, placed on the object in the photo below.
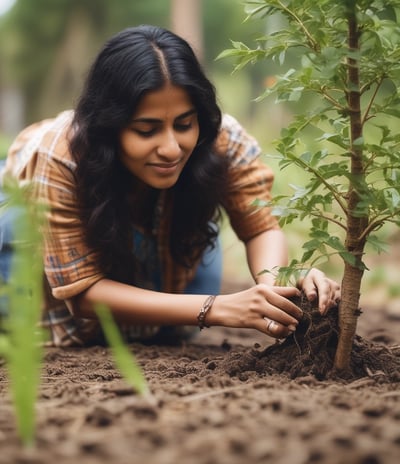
pixel 134 62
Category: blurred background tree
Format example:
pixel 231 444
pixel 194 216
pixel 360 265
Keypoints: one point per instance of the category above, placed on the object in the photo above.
pixel 46 47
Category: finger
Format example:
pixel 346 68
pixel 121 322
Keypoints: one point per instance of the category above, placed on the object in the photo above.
pixel 338 295
pixel 315 285
pixel 332 296
pixel 325 289
pixel 282 317
pixel 275 329
pixel 287 292
pixel 335 295
pixel 309 284
pixel 278 299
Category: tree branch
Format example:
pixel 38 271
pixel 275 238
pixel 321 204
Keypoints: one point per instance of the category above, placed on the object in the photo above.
pixel 375 224
pixel 366 114
pixel 313 44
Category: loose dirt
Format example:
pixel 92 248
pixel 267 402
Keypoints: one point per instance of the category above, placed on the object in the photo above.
pixel 211 403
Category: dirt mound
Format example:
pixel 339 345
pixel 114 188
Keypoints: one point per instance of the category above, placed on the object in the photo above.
pixel 311 351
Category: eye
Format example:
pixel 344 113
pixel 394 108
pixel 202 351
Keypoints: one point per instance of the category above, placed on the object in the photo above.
pixel 181 127
pixel 145 133
pixel 144 130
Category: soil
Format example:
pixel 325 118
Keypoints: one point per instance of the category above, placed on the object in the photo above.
pixel 218 398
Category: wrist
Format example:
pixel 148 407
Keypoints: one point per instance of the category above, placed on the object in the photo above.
pixel 266 278
pixel 223 311
pixel 206 307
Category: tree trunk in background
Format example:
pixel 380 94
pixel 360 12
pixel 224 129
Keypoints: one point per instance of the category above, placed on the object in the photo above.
pixel 65 77
pixel 187 21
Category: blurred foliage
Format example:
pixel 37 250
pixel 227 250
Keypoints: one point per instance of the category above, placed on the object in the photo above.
pixel 46 46
pixel 21 336
pixel 4 144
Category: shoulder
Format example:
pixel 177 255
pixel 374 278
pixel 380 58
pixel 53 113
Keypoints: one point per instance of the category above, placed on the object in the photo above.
pixel 235 142
pixel 54 137
pixel 49 136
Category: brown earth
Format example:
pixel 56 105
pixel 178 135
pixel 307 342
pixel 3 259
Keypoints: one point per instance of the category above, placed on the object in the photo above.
pixel 204 411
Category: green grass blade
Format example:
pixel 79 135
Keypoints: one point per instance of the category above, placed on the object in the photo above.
pixel 124 359
pixel 23 347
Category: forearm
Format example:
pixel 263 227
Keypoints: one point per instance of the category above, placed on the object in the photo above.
pixel 137 306
pixel 134 305
pixel 265 252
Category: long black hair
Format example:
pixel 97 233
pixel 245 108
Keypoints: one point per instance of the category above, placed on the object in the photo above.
pixel 134 62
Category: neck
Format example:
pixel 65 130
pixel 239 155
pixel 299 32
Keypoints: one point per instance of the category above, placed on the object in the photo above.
pixel 142 203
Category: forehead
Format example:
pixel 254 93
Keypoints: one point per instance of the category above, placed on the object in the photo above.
pixel 170 100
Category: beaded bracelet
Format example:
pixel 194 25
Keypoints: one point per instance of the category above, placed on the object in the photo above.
pixel 204 310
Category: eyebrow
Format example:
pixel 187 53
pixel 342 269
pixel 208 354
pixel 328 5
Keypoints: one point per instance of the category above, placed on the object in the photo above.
pixel 159 121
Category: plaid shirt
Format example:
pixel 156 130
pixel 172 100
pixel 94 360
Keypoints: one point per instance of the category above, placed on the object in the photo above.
pixel 40 154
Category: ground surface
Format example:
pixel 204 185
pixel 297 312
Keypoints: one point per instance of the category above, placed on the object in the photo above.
pixel 200 412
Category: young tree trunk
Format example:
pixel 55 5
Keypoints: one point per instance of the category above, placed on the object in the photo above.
pixel 355 243
pixel 187 21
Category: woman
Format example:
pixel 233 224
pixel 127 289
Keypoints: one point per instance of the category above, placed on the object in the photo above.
pixel 135 179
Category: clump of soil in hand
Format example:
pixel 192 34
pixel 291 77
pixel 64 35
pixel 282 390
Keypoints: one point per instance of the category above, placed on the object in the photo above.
pixel 310 350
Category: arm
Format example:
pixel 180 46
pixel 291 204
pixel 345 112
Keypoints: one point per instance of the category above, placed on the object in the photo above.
pixel 266 251
pixel 246 309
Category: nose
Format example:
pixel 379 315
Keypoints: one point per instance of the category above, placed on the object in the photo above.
pixel 169 145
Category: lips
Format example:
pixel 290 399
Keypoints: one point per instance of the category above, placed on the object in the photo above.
pixel 165 168
pixel 164 165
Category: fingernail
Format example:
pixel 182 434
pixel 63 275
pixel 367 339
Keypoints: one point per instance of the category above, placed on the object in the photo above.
pixel 292 327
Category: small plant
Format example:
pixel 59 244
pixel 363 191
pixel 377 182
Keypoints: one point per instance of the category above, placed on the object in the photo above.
pixel 22 340
pixel 123 358
pixel 346 74
pixel 21 335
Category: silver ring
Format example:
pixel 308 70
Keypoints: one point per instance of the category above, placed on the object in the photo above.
pixel 269 325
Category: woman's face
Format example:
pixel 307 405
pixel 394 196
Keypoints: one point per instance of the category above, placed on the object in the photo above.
pixel 161 136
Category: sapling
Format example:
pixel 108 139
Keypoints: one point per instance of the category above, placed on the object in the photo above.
pixel 345 77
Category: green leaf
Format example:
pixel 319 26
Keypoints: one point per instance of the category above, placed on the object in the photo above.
pixel 295 94
pixel 124 359
pixel 378 244
pixel 393 197
pixel 4 345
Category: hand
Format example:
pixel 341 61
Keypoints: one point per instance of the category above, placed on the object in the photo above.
pixel 315 285
pixel 262 307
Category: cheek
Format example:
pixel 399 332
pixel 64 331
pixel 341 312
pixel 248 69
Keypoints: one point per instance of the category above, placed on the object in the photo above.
pixel 134 148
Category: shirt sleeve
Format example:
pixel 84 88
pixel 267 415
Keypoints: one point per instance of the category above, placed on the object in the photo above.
pixel 249 179
pixel 69 265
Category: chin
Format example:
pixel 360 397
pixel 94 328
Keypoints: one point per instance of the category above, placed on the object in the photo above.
pixel 163 184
